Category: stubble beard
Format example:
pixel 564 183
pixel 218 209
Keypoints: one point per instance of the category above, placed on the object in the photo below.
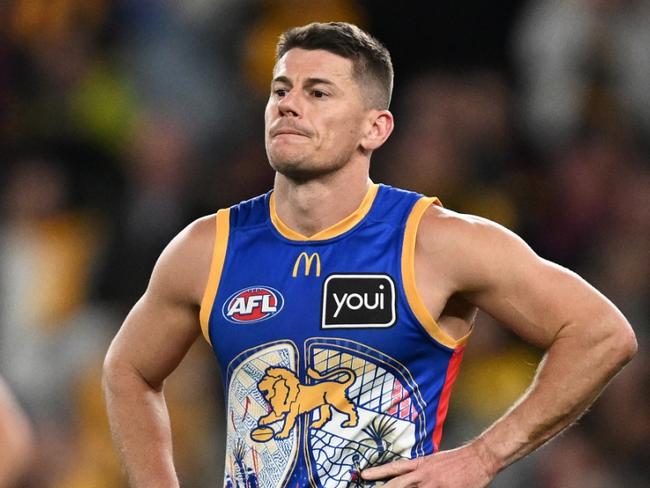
pixel 301 168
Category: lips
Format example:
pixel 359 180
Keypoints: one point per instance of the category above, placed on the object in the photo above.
pixel 288 131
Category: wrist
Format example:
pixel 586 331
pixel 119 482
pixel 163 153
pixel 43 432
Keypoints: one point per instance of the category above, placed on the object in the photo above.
pixel 487 457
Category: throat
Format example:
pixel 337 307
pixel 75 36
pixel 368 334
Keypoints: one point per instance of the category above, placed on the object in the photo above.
pixel 310 213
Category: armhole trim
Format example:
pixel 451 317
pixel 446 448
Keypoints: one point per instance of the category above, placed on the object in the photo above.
pixel 413 297
pixel 222 230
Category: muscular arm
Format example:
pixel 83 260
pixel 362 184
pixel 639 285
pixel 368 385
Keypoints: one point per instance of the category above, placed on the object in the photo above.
pixel 151 343
pixel 587 340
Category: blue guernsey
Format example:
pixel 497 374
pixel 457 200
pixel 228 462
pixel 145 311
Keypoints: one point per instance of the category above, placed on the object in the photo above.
pixel 331 362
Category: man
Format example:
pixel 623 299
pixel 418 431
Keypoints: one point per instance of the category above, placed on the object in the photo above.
pixel 15 439
pixel 339 309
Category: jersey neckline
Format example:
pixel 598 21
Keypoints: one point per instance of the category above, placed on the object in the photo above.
pixel 339 228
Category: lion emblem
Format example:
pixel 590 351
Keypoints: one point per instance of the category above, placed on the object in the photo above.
pixel 289 398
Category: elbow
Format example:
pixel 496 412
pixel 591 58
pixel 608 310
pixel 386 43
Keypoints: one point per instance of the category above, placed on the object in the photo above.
pixel 117 377
pixel 120 377
pixel 627 344
pixel 621 342
pixel 109 372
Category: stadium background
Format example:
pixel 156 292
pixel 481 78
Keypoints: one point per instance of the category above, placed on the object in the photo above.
pixel 121 121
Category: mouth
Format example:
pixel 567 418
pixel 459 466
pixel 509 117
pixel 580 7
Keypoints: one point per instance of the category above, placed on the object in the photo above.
pixel 286 131
pixel 288 134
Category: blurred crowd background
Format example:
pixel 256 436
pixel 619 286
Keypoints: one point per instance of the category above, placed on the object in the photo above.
pixel 123 120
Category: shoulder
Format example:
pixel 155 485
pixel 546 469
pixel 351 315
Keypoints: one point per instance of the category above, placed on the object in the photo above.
pixel 199 232
pixel 468 248
pixel 443 227
pixel 193 242
pixel 183 267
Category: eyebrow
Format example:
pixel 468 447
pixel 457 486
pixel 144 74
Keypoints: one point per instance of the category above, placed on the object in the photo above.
pixel 308 81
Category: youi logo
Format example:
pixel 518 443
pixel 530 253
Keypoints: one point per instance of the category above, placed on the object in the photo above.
pixel 358 301
pixel 252 304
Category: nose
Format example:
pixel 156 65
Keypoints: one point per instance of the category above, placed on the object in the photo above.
pixel 289 105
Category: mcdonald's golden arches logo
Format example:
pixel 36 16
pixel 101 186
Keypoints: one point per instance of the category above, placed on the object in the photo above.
pixel 309 259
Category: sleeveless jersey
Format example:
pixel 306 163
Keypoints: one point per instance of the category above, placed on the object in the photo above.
pixel 331 362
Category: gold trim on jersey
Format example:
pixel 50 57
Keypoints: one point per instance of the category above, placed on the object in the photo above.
pixel 222 229
pixel 309 258
pixel 335 230
pixel 408 277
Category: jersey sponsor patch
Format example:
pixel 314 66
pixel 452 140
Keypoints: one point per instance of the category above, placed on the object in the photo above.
pixel 253 304
pixel 358 301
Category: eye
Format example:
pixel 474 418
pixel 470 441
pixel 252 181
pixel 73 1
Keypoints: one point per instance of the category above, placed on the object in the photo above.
pixel 319 94
pixel 280 92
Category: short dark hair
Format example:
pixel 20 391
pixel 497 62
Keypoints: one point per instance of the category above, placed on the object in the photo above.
pixel 372 66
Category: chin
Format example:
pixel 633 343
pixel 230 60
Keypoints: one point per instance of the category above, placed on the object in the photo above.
pixel 285 160
pixel 298 166
pixel 300 170
pixel 294 170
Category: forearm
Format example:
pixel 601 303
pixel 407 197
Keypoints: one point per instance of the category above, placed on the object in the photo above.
pixel 575 369
pixel 141 429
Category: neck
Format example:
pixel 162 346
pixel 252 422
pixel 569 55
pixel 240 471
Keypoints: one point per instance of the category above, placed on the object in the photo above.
pixel 309 207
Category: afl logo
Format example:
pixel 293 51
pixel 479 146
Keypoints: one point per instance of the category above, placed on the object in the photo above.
pixel 252 304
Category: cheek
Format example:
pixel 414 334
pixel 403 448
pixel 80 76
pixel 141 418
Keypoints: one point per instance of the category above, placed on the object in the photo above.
pixel 344 133
pixel 268 120
pixel 268 111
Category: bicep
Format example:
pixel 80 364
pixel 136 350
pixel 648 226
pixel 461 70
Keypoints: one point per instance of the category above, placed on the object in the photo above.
pixel 535 298
pixel 164 323
pixel 535 304
pixel 154 338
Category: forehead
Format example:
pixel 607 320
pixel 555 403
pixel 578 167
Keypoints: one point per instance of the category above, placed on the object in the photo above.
pixel 301 63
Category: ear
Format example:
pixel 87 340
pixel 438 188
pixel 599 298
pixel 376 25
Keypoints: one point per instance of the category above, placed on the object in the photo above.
pixel 378 126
